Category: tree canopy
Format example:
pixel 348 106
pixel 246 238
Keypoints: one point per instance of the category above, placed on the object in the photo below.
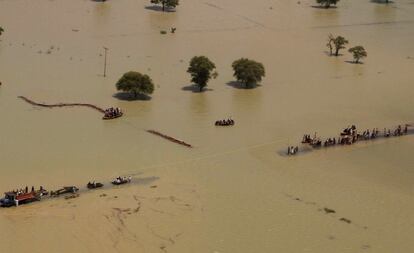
pixel 1 30
pixel 358 53
pixel 327 3
pixel 338 43
pixel 200 70
pixel 135 83
pixel 166 3
pixel 248 72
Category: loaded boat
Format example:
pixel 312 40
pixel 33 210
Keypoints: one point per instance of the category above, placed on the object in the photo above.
pixel 121 180
pixel 15 198
pixel 224 122
pixel 112 113
pixel 94 185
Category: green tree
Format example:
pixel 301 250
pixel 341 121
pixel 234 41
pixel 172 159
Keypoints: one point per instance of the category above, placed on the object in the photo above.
pixel 201 71
pixel 248 72
pixel 339 43
pixel 135 83
pixel 327 3
pixel 166 3
pixel 358 53
pixel 1 30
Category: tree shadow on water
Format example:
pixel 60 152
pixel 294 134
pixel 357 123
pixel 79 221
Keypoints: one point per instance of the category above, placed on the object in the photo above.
pixel 333 54
pixel 125 96
pixel 158 8
pixel 354 62
pixel 382 1
pixel 323 7
pixel 195 89
pixel 238 85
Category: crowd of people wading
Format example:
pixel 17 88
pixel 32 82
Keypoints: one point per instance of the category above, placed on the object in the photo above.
pixel 348 136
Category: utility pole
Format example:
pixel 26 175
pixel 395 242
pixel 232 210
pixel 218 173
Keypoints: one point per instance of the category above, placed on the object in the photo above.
pixel 106 50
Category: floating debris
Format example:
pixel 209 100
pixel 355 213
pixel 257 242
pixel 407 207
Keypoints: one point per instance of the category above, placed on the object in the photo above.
pixel 345 220
pixel 170 138
pixel 328 210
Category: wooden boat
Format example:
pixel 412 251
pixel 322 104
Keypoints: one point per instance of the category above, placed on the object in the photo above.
pixel 107 117
pixel 228 122
pixel 94 185
pixel 64 190
pixel 119 180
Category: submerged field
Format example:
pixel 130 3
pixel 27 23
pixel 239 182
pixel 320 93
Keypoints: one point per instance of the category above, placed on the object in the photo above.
pixel 232 192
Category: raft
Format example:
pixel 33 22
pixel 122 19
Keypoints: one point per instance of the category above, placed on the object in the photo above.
pixel 106 117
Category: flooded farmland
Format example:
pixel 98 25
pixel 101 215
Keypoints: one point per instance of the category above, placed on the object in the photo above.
pixel 233 191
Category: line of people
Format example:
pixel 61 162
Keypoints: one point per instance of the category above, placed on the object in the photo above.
pixel 349 136
pixel 18 192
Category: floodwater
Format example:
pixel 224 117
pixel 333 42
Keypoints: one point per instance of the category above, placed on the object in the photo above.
pixel 233 192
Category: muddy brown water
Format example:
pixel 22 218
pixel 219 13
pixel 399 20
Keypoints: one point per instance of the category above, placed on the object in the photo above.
pixel 232 192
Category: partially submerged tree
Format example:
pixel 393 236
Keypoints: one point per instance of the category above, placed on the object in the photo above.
pixel 358 53
pixel 1 30
pixel 339 43
pixel 135 83
pixel 166 3
pixel 327 3
pixel 248 72
pixel 201 71
pixel 330 43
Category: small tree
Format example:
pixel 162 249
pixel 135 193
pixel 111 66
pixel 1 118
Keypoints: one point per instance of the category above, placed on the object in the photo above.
pixel 339 43
pixel 166 3
pixel 358 53
pixel 135 83
pixel 327 3
pixel 1 30
pixel 200 69
pixel 248 72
